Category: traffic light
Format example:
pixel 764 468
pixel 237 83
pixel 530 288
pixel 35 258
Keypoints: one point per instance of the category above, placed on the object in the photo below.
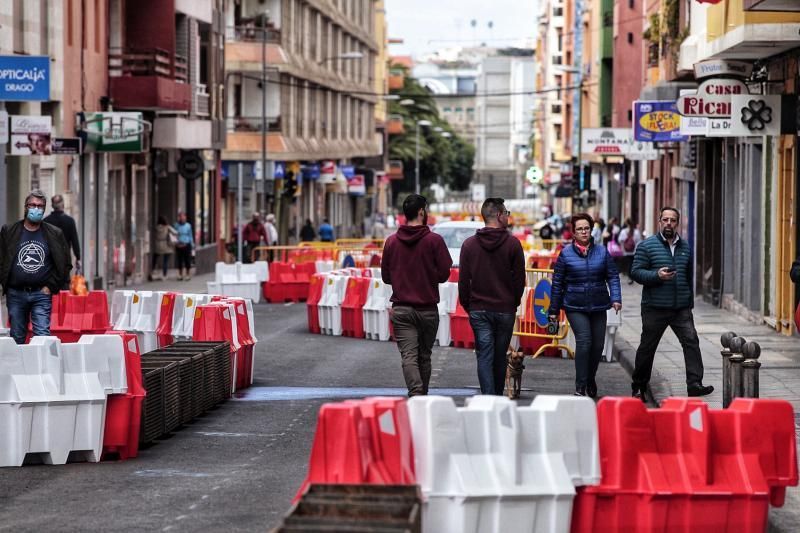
pixel 289 184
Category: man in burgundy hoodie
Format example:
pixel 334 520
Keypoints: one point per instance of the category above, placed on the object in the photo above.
pixel 490 286
pixel 415 261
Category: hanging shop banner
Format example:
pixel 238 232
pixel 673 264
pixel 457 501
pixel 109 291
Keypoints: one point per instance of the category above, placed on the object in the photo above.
pixel 722 67
pixel 657 121
pixel 356 186
pixel 756 115
pixel 311 172
pixel 642 151
pixel 112 132
pixel 694 126
pixel 327 172
pixel 66 146
pixel 30 135
pixel 24 78
pixel 712 99
pixel 605 141
pixel 280 170
pixel 349 171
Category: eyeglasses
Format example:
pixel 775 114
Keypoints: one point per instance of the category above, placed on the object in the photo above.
pixel 31 206
pixel 582 229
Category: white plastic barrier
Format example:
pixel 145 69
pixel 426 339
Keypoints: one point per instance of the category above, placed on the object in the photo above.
pixel 448 297
pixel 121 302
pixel 495 467
pixel 49 404
pixel 100 354
pixel 241 280
pixel 323 266
pixel 613 323
pixel 330 305
pixel 376 311
pixel 145 309
pixel 190 303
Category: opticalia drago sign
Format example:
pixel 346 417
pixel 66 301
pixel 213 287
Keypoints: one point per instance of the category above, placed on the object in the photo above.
pixel 24 78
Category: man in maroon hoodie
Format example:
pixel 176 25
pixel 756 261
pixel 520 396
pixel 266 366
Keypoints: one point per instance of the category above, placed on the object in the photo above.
pixel 415 261
pixel 490 285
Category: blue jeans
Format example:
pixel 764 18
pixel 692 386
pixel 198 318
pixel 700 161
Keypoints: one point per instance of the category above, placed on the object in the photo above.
pixel 590 335
pixel 23 305
pixel 493 332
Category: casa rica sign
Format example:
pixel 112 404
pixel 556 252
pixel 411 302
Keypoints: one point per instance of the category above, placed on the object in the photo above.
pixel 713 98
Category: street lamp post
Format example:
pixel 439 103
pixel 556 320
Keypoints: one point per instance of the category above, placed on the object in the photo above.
pixel 416 168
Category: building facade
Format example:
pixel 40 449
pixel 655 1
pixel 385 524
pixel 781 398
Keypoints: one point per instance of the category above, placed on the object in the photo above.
pixel 504 108
pixel 318 62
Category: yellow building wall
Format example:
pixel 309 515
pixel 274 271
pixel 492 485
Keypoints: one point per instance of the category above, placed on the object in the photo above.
pixel 730 14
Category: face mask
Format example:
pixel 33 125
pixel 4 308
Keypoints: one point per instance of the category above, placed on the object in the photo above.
pixel 35 214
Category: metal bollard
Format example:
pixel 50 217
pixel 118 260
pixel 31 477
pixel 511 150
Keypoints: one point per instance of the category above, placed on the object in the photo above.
pixel 752 351
pixel 735 375
pixel 726 353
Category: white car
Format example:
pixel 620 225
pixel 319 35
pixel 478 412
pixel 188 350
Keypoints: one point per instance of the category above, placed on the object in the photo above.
pixel 454 235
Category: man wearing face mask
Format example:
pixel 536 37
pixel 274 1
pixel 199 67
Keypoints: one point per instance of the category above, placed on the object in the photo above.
pixel 34 265
pixel 663 263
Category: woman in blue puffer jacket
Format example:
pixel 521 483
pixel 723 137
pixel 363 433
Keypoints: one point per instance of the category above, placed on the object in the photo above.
pixel 584 274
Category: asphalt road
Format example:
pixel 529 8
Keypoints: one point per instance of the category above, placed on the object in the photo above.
pixel 238 467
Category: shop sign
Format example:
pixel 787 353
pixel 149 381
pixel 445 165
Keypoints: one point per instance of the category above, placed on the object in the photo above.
pixel 280 170
pixel 66 146
pixel 190 165
pixel 756 115
pixel 642 151
pixel 119 132
pixel 720 127
pixel 327 172
pixel 312 172
pixel 24 78
pixel 722 67
pixel 348 171
pixel 30 135
pixel 656 121
pixel 356 186
pixel 606 141
pixel 712 99
pixel 693 126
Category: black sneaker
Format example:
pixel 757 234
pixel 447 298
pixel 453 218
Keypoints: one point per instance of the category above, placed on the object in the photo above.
pixel 591 389
pixel 580 391
pixel 700 390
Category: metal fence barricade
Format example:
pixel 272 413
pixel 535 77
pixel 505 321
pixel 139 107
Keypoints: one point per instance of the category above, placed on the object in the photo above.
pixel 531 326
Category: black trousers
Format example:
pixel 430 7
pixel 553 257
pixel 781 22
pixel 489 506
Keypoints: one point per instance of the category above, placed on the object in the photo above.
pixel 654 323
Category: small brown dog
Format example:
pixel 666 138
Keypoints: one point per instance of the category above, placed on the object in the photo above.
pixel 514 372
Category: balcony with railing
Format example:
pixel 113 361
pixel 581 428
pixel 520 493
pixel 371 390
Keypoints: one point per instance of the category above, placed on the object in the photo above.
pixel 149 79
pixel 253 124
pixel 394 126
pixel 394 169
pixel 244 49
pixel 396 79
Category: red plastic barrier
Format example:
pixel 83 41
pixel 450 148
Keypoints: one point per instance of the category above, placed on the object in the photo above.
pixel 684 467
pixel 362 441
pixel 213 322
pixel 124 411
pixel 453 275
pixel 165 319
pixel 460 330
pixel 354 299
pixel 312 304
pixel 73 316
pixel 287 282
pixel 244 359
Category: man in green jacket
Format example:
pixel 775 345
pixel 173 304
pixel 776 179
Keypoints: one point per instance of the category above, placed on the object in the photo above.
pixel 663 263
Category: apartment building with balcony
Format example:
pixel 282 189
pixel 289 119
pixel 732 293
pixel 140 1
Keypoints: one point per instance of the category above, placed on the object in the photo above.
pixel 318 60
pixel 165 79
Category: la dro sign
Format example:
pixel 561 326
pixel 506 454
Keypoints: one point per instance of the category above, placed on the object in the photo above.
pixel 712 99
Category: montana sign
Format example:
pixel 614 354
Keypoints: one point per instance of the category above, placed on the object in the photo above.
pixel 712 99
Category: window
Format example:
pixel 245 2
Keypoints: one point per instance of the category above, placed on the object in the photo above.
pixel 630 115
pixel 448 109
pixel 556 109
pixel 630 38
pixel 459 110
pixel 557 131
pixel 631 4
pixel 558 11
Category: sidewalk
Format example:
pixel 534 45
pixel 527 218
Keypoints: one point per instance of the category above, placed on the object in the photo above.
pixel 780 355
pixel 196 285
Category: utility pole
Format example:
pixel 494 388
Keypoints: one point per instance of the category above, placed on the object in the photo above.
pixel 264 127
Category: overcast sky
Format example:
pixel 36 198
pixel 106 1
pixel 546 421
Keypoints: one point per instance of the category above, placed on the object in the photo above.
pixel 428 25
